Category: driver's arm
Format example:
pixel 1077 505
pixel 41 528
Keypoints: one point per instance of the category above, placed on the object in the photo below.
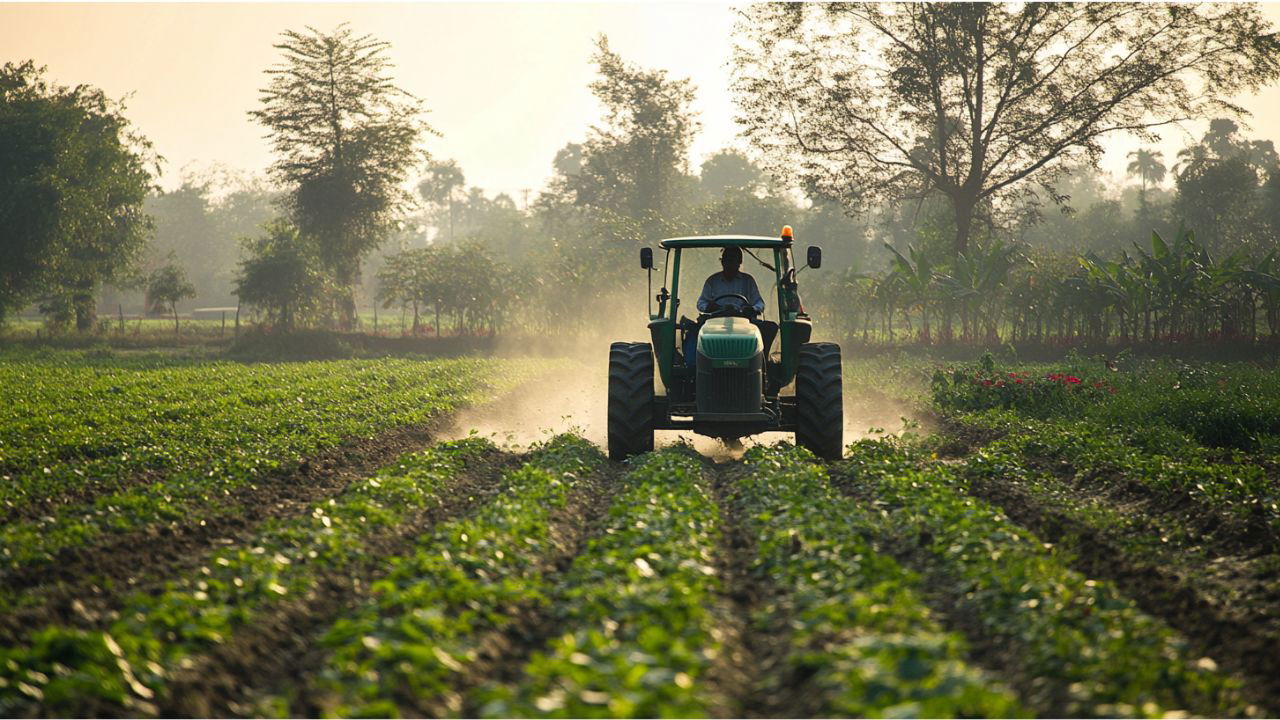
pixel 753 295
pixel 708 296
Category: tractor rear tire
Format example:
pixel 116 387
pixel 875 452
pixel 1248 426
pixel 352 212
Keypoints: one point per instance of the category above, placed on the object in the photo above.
pixel 630 399
pixel 820 401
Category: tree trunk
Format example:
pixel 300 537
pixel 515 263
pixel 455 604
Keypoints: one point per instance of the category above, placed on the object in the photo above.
pixel 86 307
pixel 174 308
pixel 347 276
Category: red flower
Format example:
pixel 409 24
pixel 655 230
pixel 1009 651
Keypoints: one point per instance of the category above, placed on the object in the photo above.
pixel 1054 376
pixel 986 383
pixel 1073 379
pixel 1018 381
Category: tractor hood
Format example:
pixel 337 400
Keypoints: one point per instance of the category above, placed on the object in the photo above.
pixel 729 341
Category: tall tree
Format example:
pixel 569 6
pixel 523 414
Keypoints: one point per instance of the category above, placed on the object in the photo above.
pixel 346 139
pixel 980 101
pixel 73 177
pixel 1147 165
pixel 630 165
pixel 729 171
pixel 437 187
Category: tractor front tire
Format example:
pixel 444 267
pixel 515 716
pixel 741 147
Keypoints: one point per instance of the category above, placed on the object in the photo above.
pixel 820 400
pixel 630 399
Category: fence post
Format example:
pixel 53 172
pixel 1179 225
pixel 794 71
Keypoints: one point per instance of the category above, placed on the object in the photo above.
pixel 237 319
pixel 120 310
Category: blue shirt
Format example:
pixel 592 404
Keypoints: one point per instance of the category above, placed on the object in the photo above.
pixel 741 284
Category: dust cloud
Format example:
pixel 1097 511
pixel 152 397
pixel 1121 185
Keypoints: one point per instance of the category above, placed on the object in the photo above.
pixel 576 400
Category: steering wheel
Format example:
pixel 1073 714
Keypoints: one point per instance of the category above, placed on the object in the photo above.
pixel 743 309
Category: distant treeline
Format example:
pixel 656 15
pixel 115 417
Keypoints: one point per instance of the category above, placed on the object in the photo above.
pixel 949 211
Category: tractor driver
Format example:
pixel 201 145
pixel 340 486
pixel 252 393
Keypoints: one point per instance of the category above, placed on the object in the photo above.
pixel 730 281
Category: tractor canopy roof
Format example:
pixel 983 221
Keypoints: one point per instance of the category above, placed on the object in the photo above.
pixel 719 241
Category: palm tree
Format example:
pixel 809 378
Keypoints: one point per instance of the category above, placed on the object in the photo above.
pixel 1147 165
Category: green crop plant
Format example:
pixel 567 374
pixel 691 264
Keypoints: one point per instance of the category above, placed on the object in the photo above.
pixel 1082 646
pixel 70 671
pixel 858 630
pixel 198 433
pixel 415 637
pixel 636 608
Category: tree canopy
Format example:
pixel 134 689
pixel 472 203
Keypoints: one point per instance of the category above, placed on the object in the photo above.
pixel 980 102
pixel 346 140
pixel 632 164
pixel 73 177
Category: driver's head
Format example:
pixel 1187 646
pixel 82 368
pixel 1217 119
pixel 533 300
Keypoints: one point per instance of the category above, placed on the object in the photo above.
pixel 731 259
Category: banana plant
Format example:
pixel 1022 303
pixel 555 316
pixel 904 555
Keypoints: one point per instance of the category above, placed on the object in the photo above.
pixel 917 277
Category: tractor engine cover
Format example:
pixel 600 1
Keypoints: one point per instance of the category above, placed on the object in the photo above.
pixel 730 367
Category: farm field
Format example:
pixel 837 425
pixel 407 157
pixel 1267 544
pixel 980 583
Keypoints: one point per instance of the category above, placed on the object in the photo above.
pixel 192 538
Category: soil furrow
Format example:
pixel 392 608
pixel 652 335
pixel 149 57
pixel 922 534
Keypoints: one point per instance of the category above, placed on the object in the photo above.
pixel 278 644
pixel 752 671
pixel 746 655
pixel 503 653
pixel 82 585
pixel 1237 623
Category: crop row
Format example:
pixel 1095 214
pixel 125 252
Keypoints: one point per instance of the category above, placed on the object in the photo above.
pixel 70 671
pixel 860 641
pixel 637 609
pixel 418 634
pixel 1105 455
pixel 1075 646
pixel 205 432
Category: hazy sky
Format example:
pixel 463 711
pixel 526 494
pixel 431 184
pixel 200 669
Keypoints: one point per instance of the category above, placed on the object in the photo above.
pixel 506 83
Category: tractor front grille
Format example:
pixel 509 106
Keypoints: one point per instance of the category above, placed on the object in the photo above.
pixel 729 390
pixel 729 346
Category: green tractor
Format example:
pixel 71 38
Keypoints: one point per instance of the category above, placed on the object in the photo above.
pixel 722 373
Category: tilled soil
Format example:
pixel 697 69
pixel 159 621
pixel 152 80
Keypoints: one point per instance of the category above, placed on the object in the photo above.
pixel 82 586
pixel 748 655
